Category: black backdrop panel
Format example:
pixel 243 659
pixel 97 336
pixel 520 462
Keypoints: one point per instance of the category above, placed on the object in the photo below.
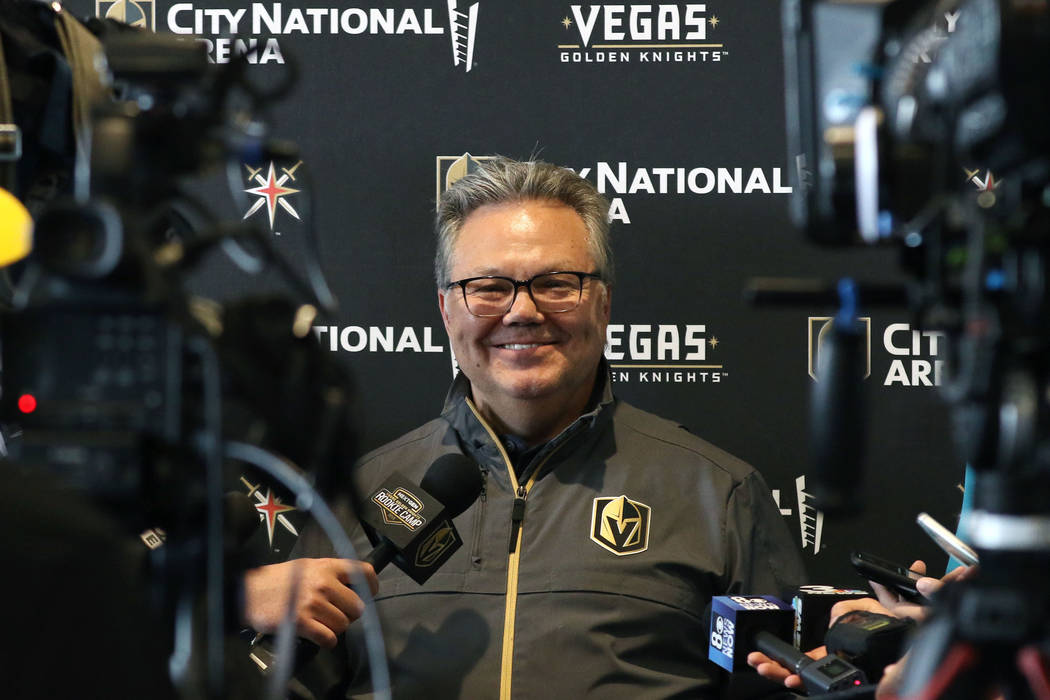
pixel 380 111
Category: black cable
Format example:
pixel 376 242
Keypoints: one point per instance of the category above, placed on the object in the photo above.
pixel 316 284
pixel 211 443
pixel 25 285
pixel 314 288
pixel 315 274
pixel 309 500
pixel 234 74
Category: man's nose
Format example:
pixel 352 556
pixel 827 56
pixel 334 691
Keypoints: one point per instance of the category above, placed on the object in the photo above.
pixel 523 310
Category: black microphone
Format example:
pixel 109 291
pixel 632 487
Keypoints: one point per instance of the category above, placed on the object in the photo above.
pixel 837 411
pixel 742 624
pixel 735 620
pixel 813 604
pixel 869 640
pixel 802 291
pixel 411 526
pixel 818 675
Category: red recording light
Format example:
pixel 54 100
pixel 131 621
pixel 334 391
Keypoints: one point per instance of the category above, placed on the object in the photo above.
pixel 26 403
pixel 856 681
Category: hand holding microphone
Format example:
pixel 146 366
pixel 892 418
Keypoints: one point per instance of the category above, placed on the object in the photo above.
pixel 412 526
pixel 325 605
pixel 773 668
pixel 784 668
pixel 749 627
pixel 818 674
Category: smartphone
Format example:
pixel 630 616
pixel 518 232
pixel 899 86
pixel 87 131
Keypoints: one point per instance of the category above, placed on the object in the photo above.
pixel 900 579
pixel 946 540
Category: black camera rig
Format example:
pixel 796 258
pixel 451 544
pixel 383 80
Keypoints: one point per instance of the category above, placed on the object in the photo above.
pixel 118 383
pixel 922 125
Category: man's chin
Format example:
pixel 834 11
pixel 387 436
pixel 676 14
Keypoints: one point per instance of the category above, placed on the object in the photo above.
pixel 529 390
pixel 528 385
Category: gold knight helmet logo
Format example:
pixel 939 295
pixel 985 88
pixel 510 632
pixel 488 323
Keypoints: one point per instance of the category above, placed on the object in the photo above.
pixel 452 168
pixel 819 327
pixel 435 545
pixel 136 13
pixel 449 170
pixel 620 525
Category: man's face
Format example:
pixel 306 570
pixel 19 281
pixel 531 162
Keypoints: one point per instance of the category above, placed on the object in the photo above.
pixel 526 354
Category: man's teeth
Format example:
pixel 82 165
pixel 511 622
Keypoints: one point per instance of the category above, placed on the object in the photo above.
pixel 520 346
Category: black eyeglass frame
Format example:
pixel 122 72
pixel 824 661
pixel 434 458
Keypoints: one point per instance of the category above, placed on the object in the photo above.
pixel 518 284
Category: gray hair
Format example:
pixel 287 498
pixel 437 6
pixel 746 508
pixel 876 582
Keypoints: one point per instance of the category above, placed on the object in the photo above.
pixel 503 180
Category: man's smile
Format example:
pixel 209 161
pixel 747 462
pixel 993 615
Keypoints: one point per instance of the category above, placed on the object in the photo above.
pixel 523 345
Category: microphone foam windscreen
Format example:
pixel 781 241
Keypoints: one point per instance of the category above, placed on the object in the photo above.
pixel 454 480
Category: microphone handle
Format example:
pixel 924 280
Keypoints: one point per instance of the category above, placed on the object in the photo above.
pixel 382 555
pixel 818 676
pixel 837 422
pixel 779 650
pixel 306 651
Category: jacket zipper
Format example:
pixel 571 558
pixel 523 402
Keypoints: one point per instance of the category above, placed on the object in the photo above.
pixel 521 492
pixel 517 515
pixel 479 521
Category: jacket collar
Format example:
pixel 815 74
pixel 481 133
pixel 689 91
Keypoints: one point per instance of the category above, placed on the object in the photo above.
pixel 475 438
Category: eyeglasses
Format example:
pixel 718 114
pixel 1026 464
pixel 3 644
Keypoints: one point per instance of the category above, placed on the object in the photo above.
pixel 551 292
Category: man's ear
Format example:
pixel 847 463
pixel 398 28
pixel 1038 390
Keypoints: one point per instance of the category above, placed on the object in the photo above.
pixel 607 302
pixel 441 307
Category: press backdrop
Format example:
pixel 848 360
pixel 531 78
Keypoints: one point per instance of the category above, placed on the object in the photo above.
pixel 676 112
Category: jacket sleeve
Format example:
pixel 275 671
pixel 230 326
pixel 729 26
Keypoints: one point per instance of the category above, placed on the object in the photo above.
pixel 763 558
pixel 313 542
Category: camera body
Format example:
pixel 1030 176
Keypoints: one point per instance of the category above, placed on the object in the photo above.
pixel 891 103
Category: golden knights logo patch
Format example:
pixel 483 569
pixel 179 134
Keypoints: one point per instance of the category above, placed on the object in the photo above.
pixel 819 327
pixel 452 168
pixel 620 525
pixel 431 550
pixel 136 13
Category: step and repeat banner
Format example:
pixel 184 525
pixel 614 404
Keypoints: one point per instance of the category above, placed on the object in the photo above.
pixel 676 112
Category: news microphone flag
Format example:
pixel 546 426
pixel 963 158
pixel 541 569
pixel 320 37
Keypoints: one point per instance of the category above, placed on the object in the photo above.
pixel 813 611
pixel 735 620
pixel 411 524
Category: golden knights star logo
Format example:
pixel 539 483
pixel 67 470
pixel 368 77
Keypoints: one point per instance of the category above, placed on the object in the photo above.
pixel 271 510
pixel 988 183
pixel 986 188
pixel 271 190
pixel 620 525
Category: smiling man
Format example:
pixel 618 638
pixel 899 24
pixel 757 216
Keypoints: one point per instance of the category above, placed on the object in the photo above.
pixel 526 314
pixel 602 531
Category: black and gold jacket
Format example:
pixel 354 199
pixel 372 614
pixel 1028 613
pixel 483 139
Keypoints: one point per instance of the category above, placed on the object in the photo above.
pixel 585 577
